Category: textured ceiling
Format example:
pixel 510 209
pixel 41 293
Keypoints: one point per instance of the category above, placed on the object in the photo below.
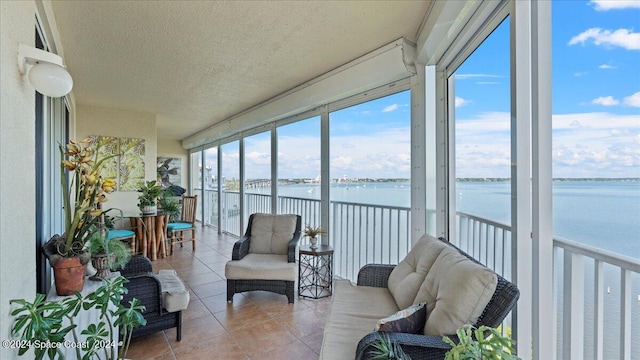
pixel 195 63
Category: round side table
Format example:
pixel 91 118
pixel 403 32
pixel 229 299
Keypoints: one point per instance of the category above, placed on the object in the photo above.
pixel 315 271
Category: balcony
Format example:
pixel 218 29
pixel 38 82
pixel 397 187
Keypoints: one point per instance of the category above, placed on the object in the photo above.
pixel 596 292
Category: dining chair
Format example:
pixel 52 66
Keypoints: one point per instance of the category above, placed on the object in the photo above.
pixel 120 233
pixel 175 230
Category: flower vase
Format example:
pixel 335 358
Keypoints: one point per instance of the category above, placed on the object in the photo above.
pixel 102 264
pixel 314 243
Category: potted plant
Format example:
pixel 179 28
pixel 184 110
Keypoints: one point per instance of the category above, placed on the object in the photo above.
pixel 149 193
pixel 107 254
pixel 82 190
pixel 169 204
pixel 44 325
pixel 474 345
pixel 312 233
pixel 385 349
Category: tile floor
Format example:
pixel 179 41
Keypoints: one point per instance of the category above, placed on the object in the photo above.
pixel 257 325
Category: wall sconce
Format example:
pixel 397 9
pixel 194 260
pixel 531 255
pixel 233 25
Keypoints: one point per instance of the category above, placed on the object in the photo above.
pixel 48 76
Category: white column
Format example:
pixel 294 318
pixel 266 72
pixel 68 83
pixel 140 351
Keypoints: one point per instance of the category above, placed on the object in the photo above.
pixel 521 173
pixel 541 150
pixel 274 169
pixel 418 155
pixel 325 178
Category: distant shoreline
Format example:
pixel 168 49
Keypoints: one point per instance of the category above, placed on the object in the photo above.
pixel 554 179
pixel 387 180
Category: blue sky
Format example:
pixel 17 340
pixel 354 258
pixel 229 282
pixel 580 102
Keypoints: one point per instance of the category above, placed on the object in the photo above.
pixel 596 109
pixel 595 95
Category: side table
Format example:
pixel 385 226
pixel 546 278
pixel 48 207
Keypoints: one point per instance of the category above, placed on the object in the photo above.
pixel 315 271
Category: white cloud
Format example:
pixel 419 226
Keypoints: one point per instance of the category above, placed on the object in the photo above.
pixel 390 108
pixel 605 101
pixel 579 74
pixel 606 67
pixel 487 82
pixel 604 5
pixel 622 37
pixel 584 145
pixel 632 100
pixel 461 102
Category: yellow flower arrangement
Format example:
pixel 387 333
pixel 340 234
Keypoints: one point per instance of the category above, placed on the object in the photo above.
pixel 83 192
pixel 312 232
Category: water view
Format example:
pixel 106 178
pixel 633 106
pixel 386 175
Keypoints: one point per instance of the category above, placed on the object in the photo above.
pixel 605 214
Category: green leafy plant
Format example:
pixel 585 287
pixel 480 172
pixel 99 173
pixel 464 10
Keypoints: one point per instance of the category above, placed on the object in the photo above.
pixel 43 322
pixel 474 345
pixel 149 193
pixel 99 243
pixel 385 349
pixel 170 207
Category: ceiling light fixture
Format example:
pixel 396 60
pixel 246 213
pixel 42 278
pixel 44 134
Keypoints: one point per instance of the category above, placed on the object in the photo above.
pixel 48 75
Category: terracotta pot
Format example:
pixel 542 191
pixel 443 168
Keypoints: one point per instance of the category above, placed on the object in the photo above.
pixel 102 264
pixel 69 275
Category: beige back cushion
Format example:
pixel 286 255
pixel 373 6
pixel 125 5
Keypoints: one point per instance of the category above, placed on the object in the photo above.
pixel 456 291
pixel 406 278
pixel 270 234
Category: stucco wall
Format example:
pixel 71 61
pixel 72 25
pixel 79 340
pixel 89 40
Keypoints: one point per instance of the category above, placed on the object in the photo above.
pixel 121 123
pixel 173 148
pixel 17 173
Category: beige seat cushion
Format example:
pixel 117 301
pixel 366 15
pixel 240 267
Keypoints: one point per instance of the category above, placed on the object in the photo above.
pixel 175 296
pixel 270 234
pixel 406 278
pixel 261 267
pixel 456 290
pixel 354 313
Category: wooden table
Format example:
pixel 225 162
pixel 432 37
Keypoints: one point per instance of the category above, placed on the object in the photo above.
pixel 151 232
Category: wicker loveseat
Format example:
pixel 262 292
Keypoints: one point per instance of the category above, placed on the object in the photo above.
pixel 457 290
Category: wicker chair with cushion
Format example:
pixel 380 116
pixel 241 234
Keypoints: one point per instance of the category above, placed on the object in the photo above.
pixel 265 257
pixel 163 295
pixel 456 288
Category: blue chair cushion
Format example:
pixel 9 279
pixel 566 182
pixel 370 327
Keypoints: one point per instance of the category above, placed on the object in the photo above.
pixel 119 233
pixel 179 226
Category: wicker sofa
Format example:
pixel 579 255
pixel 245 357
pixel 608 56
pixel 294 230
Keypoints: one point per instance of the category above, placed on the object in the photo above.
pixel 457 289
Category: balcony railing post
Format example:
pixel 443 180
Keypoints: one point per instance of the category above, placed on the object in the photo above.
pixel 573 306
pixel 598 307
pixel 625 314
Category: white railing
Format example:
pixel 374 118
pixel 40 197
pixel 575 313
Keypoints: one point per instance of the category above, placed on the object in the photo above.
pixel 594 290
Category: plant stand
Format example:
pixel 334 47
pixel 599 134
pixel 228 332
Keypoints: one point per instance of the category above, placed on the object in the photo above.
pixel 315 271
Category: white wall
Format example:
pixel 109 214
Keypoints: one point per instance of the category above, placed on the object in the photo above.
pixel 17 173
pixel 173 148
pixel 92 120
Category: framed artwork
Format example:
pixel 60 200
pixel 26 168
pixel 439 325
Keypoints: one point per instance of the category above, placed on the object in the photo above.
pixel 131 167
pixel 127 166
pixel 169 171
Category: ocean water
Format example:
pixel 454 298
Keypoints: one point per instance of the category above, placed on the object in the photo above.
pixel 604 214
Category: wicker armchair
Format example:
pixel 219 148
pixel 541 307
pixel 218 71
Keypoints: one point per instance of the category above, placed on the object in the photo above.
pixel 145 286
pixel 419 346
pixel 266 272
